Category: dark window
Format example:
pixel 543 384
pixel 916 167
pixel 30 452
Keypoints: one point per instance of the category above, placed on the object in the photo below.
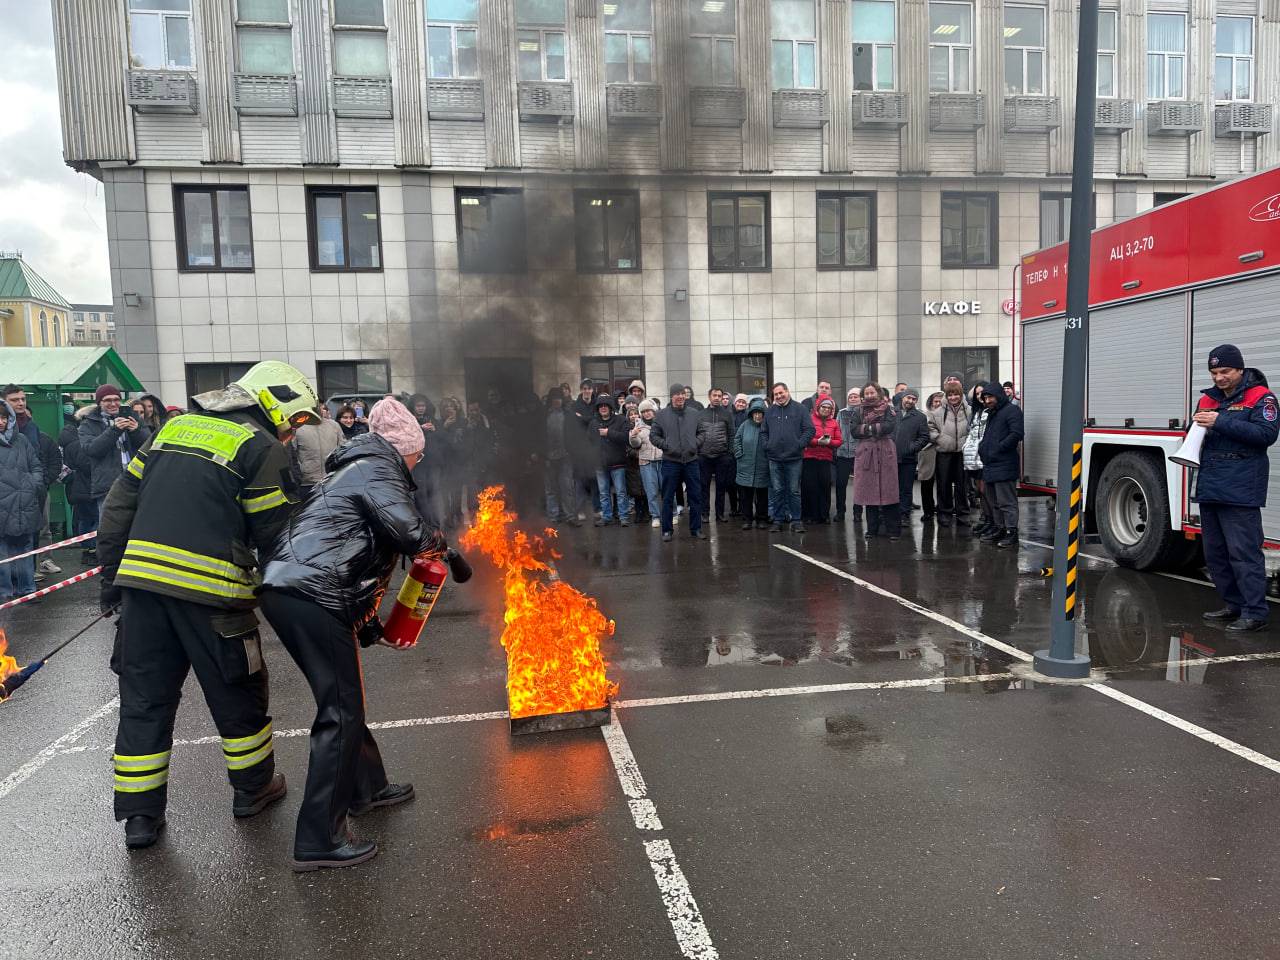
pixel 845 371
pixel 617 372
pixel 975 364
pixel 1055 218
pixel 214 232
pixel 1159 198
pixel 969 235
pixel 203 377
pixel 344 229
pixel 742 373
pixel 607 226
pixel 846 231
pixel 345 377
pixel 491 235
pixel 738 231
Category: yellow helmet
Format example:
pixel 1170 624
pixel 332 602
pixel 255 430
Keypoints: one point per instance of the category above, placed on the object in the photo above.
pixel 283 392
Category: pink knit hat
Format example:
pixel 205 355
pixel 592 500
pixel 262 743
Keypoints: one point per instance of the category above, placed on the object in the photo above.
pixel 391 420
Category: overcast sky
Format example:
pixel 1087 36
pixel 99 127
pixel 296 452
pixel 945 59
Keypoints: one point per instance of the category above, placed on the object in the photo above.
pixel 52 214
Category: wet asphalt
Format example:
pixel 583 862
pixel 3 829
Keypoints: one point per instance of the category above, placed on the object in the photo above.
pixel 989 815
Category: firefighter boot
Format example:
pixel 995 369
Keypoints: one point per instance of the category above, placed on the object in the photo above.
pixel 141 831
pixel 248 804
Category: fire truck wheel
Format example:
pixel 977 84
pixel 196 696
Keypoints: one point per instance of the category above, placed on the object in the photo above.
pixel 1132 509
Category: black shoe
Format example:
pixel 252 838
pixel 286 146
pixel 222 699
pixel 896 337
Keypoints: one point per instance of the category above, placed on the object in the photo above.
pixel 89 558
pixel 870 535
pixel 602 522
pixel 388 796
pixel 1010 538
pixel 348 855
pixel 699 535
pixel 666 538
pixel 927 516
pixel 748 525
pixel 961 521
pixel 993 535
pixel 857 519
pixel 141 831
pixel 775 528
pixel 944 520
pixel 895 537
pixel 797 528
pixel 1225 615
pixel 761 525
pixel 1246 625
pixel 248 804
pixel 982 529
pixel 839 518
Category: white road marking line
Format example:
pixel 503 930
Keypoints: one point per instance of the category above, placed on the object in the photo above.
pixel 807 690
pixel 1194 662
pixel 36 763
pixel 1208 736
pixel 682 910
pixel 903 601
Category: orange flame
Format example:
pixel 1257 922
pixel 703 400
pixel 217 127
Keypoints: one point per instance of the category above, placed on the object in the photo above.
pixel 8 665
pixel 552 634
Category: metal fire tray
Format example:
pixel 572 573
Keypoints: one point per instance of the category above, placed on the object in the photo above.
pixel 552 722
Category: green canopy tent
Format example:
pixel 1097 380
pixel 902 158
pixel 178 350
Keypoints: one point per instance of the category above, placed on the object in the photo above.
pixel 46 373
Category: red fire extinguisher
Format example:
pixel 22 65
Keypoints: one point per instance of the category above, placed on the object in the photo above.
pixel 418 594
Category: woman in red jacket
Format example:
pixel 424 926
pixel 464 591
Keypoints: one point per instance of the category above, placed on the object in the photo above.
pixel 815 474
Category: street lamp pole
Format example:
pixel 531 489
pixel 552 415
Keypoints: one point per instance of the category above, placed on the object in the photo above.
pixel 1061 659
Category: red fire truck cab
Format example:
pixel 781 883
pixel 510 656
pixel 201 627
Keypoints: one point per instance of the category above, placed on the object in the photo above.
pixel 1165 287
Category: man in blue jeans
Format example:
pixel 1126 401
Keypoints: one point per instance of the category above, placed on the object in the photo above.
pixel 675 433
pixel 787 430
pixel 609 431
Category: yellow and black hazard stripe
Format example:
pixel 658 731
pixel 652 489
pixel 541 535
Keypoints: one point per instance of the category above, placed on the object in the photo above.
pixel 241 753
pixel 193 573
pixel 1073 532
pixel 138 774
pixel 260 500
pixel 137 464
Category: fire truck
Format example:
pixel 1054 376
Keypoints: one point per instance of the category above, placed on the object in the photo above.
pixel 1165 287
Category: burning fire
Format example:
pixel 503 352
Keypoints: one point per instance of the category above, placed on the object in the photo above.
pixel 552 634
pixel 8 665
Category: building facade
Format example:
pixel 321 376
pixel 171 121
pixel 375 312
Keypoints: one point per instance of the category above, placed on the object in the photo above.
pixel 93 323
pixel 32 312
pixel 438 195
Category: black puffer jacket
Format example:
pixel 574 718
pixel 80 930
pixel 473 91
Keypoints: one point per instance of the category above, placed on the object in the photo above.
pixel 341 545
pixel 21 483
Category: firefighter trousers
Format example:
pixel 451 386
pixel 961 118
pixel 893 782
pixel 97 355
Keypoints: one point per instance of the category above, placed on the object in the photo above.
pixel 345 768
pixel 158 640
pixel 1233 541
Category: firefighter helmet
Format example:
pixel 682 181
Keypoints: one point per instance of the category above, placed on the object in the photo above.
pixel 280 390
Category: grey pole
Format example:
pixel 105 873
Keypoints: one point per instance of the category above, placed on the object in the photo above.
pixel 1061 659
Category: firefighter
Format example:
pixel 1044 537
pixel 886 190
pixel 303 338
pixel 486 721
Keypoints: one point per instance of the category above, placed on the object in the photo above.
pixel 1241 413
pixel 176 541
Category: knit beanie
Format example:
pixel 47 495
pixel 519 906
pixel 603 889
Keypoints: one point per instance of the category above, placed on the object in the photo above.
pixel 911 392
pixel 391 420
pixel 676 388
pixel 1227 355
pixel 648 404
pixel 106 390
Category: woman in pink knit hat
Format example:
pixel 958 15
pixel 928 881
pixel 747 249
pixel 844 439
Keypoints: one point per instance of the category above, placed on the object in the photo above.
pixel 321 587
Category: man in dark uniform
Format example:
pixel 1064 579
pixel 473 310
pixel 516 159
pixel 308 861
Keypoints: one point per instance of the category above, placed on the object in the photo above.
pixel 1243 419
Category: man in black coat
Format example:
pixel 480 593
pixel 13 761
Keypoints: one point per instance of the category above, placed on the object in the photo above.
pixel 580 412
pixel 910 436
pixel 610 433
pixel 715 461
pixel 1000 464
pixel 84 516
pixel 675 433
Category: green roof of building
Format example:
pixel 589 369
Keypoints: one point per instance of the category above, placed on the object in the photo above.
pixel 19 282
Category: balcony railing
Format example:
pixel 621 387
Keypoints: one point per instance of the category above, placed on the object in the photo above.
pixel 717 106
pixel 1032 114
pixel 362 97
pixel 801 108
pixel 1174 118
pixel 956 112
pixel 879 110
pixel 1242 119
pixel 1113 116
pixel 455 99
pixel 168 90
pixel 545 100
pixel 264 95
pixel 635 102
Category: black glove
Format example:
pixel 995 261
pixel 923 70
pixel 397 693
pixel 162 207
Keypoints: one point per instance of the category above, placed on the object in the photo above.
pixel 109 597
pixel 370 633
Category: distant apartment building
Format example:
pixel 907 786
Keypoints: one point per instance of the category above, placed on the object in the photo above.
pixel 93 323
pixel 440 195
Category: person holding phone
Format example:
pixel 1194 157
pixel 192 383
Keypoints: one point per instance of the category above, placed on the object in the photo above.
pixel 109 439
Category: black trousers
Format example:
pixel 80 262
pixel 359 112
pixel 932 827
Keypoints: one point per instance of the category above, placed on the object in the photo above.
pixel 721 470
pixel 926 497
pixel 906 486
pixel 158 640
pixel 844 470
pixel 952 496
pixel 1233 553
pixel 883 520
pixel 753 502
pixel 345 768
pixel 815 490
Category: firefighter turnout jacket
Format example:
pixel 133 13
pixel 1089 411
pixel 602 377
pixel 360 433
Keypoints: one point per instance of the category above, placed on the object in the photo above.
pixel 1234 467
pixel 184 516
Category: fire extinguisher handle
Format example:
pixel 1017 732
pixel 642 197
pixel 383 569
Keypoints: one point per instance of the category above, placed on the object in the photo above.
pixel 459 569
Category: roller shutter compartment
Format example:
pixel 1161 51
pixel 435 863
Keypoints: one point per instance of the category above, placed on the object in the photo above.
pixel 1041 399
pixel 1137 363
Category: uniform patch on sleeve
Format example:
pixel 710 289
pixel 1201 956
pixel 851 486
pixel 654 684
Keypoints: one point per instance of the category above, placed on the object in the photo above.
pixel 1269 409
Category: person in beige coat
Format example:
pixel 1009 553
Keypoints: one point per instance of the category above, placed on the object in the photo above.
pixel 949 425
pixel 312 444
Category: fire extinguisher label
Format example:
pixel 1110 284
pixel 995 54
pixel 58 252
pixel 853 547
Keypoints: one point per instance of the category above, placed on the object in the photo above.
pixel 426 598
pixel 410 591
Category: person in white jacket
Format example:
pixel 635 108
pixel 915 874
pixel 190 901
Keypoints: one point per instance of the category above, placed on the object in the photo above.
pixel 650 460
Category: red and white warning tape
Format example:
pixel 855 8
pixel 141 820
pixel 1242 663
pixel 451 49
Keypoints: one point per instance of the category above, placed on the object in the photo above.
pixel 52 546
pixel 48 590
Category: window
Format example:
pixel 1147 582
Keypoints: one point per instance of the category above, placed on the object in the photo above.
pixel 541 53
pixel 628 41
pixel 847 370
pixel 203 377
pixel 1108 25
pixel 359 39
pixel 44 329
pixel 713 43
pixel 974 364
pixel 491 236
pixel 969 229
pixel 1024 51
pixel 1233 60
pixel 950 47
pixel 57 330
pixel 846 231
pixel 875 32
pixel 264 38
pixel 607 228
pixel 1166 56
pixel 336 378
pixel 736 373
pixel 451 38
pixel 738 231
pixel 1159 199
pixel 1055 218
pixel 616 372
pixel 343 226
pixel 160 34
pixel 795 43
pixel 213 228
